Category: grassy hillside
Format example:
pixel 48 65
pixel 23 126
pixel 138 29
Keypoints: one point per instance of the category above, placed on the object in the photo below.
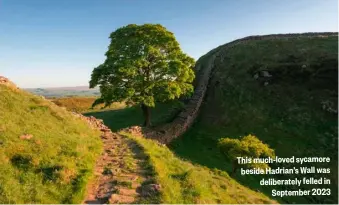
pixel 183 182
pixel 83 104
pixel 46 154
pixel 293 108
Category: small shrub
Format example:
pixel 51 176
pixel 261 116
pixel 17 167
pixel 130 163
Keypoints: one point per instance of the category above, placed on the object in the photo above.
pixel 248 146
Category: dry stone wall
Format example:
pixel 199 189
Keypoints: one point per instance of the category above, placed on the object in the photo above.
pixel 204 67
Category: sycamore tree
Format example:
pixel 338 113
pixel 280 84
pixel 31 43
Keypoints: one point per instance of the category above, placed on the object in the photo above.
pixel 144 65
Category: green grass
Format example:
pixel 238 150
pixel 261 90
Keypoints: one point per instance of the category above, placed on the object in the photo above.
pixel 130 116
pixel 53 166
pixel 127 184
pixel 287 114
pixel 84 104
pixel 183 182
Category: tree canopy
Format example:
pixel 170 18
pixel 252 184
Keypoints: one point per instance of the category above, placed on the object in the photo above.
pixel 144 65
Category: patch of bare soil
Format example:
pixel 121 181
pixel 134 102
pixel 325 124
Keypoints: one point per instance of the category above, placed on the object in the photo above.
pixel 121 173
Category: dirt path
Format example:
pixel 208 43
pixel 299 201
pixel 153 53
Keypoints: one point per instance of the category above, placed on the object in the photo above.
pixel 120 173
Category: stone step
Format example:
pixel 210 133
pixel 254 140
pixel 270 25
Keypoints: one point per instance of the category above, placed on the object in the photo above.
pixel 135 185
pixel 127 192
pixel 117 198
pixel 127 177
pixel 91 197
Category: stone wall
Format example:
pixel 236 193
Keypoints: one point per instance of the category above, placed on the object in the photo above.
pixel 204 67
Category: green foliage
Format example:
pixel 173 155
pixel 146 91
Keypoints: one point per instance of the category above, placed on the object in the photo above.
pixel 249 146
pixel 54 166
pixel 144 65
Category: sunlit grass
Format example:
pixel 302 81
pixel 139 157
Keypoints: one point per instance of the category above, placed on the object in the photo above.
pixel 287 113
pixel 183 182
pixel 56 163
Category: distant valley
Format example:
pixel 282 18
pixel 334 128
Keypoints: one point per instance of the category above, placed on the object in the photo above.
pixel 64 91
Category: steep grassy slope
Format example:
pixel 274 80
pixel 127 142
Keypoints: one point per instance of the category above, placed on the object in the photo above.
pixel 53 163
pixel 293 108
pixel 184 182
pixel 83 104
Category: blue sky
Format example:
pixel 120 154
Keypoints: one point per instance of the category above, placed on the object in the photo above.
pixel 51 43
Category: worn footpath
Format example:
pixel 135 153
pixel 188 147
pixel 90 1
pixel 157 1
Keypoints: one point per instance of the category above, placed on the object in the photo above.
pixel 121 174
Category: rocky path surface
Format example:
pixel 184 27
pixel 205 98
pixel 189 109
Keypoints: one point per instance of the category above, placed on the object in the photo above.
pixel 121 174
pixel 118 172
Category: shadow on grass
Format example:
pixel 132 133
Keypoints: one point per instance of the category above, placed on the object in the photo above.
pixel 118 119
pixel 146 170
pixel 200 147
pixel 133 116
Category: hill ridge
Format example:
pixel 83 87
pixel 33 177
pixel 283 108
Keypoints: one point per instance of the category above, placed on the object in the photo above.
pixel 204 70
pixel 46 154
pixel 5 81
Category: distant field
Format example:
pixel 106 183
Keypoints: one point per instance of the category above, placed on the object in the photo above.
pixel 83 104
pixel 64 91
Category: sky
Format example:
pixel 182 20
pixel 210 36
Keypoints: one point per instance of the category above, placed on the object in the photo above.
pixel 57 43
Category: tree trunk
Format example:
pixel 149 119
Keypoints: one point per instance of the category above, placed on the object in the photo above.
pixel 147 115
pixel 234 168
